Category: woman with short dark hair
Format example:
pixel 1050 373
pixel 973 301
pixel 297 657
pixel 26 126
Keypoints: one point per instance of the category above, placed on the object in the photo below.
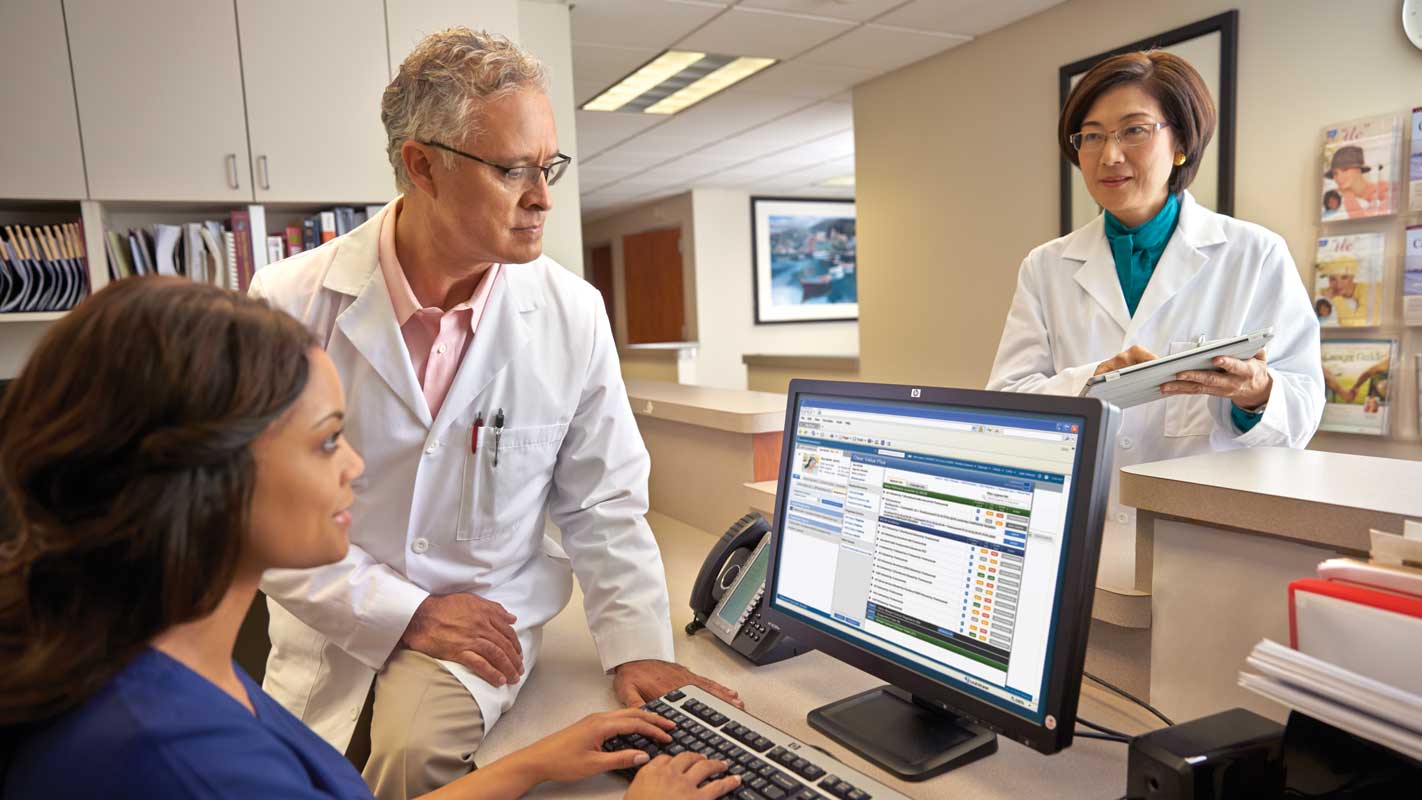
pixel 1157 273
pixel 166 444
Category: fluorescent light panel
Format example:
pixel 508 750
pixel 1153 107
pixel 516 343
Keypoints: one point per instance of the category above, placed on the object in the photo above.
pixel 676 80
pixel 842 180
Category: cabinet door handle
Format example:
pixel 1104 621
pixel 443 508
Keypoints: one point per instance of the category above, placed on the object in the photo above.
pixel 232 171
pixel 262 171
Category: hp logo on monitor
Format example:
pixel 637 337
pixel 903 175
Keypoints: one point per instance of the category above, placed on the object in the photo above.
pixel 915 392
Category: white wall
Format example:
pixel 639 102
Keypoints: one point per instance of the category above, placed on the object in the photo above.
pixel 725 307
pixel 951 232
pixel 716 263
pixel 545 30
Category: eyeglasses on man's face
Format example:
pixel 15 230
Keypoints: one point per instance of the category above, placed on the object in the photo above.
pixel 1129 136
pixel 523 177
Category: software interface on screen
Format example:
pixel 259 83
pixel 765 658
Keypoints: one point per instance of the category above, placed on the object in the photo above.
pixel 933 536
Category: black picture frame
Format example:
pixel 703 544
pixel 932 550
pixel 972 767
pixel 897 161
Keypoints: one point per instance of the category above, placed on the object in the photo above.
pixel 756 253
pixel 1227 26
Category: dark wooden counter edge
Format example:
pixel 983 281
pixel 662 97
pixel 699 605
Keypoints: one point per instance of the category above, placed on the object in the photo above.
pixel 1290 519
pixel 847 363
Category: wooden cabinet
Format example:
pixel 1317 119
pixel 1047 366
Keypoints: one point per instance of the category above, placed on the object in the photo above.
pixel 159 89
pixel 40 158
pixel 314 73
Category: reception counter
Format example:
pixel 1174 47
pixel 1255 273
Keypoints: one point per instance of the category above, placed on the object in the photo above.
pixel 705 443
pixel 568 684
pixel 1222 535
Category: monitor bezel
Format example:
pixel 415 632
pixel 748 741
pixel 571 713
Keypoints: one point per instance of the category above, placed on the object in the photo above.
pixel 1072 618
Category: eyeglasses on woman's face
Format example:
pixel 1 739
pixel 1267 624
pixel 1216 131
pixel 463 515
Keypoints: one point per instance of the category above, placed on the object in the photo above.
pixel 1136 134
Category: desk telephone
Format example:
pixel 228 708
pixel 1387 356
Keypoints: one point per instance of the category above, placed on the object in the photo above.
pixel 729 594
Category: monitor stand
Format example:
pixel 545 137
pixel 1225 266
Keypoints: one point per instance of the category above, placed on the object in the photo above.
pixel 906 736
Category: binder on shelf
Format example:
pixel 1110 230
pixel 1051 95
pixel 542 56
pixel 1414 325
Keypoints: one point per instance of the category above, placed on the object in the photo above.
pixel 328 226
pixel 242 235
pixel 294 243
pixel 42 268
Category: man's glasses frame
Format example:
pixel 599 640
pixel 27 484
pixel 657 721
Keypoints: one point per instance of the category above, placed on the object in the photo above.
pixel 551 171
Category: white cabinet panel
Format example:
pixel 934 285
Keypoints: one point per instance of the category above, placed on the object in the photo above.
pixel 41 156
pixel 314 72
pixel 159 85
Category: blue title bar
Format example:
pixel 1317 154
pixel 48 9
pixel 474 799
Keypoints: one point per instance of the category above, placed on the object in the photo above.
pixel 955 468
pixel 1062 424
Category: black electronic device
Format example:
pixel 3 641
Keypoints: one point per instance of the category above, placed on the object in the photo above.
pixel 1231 755
pixel 729 594
pixel 946 541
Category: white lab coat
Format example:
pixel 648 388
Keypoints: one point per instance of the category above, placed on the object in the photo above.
pixel 1217 277
pixel 430 517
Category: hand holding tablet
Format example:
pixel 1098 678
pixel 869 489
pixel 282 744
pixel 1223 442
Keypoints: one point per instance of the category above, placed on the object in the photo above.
pixel 1222 368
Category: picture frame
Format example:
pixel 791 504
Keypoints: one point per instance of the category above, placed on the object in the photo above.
pixel 804 265
pixel 1212 46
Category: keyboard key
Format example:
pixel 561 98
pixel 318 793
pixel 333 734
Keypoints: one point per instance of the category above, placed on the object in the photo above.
pixel 857 794
pixel 774 793
pixel 760 745
pixel 780 754
pixel 717 719
pixel 808 794
pixel 780 779
pixel 809 771
pixel 674 695
pixel 749 794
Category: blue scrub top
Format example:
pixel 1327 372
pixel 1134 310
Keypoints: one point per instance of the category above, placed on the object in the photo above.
pixel 158 729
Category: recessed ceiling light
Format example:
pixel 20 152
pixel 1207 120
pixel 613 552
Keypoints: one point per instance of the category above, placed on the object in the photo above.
pixel 842 180
pixel 675 80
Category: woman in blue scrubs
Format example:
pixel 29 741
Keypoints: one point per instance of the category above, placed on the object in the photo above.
pixel 166 444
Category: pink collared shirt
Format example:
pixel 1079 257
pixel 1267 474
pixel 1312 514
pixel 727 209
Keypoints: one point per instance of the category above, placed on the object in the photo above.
pixel 437 339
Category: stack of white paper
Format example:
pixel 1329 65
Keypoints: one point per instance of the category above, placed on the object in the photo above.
pixel 1346 700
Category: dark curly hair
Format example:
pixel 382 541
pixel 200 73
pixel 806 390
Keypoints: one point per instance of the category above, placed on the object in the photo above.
pixel 126 467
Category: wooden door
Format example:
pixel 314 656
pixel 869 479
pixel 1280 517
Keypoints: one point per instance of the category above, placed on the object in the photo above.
pixel 652 269
pixel 601 275
pixel 159 89
pixel 40 157
pixel 314 73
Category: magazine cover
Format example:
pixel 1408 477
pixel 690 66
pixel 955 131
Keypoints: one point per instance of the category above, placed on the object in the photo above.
pixel 1412 277
pixel 1360 168
pixel 1414 169
pixel 1355 379
pixel 1348 281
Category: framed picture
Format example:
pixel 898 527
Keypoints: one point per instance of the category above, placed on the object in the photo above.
pixel 1211 46
pixel 803 256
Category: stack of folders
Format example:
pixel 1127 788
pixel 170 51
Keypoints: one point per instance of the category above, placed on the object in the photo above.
pixel 207 252
pixel 1356 645
pixel 320 228
pixel 42 267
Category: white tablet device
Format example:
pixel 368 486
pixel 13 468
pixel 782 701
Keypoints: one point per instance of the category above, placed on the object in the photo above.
pixel 1140 383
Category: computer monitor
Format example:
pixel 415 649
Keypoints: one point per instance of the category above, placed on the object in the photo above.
pixel 945 541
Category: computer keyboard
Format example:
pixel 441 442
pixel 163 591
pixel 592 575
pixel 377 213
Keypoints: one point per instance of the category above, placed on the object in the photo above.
pixel 773 765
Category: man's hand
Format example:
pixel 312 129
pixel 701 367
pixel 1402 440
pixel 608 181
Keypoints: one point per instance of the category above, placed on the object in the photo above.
pixel 469 630
pixel 638 682
pixel 1246 382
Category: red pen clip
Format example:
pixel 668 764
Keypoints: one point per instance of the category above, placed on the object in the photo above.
pixel 474 438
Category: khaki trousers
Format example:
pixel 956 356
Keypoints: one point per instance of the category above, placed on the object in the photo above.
pixel 424 730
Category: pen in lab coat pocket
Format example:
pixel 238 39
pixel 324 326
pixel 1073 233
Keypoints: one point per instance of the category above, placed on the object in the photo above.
pixel 474 437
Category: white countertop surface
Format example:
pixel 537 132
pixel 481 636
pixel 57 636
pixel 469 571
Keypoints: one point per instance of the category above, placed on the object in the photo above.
pixel 736 411
pixel 1308 496
pixel 568 684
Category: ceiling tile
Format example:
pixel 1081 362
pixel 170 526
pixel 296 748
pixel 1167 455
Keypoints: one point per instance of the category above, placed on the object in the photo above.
pixel 858 10
pixel 880 49
pixel 625 162
pixel 967 17
pixel 725 114
pixel 815 122
pixel 747 32
pixel 636 23
pixel 599 130
pixel 800 79
pixel 603 65
pixel 650 149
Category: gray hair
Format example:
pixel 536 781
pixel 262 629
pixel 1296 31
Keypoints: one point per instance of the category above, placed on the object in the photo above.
pixel 444 83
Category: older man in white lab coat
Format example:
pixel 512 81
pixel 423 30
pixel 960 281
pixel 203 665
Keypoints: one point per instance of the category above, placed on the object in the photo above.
pixel 484 390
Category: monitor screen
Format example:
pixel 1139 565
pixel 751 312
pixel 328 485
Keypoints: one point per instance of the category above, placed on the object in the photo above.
pixel 931 535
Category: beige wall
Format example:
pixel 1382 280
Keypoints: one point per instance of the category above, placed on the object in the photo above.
pixel 978 123
pixel 716 263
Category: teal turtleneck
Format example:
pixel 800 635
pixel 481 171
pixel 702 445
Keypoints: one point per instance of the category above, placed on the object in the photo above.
pixel 1136 252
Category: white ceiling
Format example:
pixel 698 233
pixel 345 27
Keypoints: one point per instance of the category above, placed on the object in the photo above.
pixel 782 131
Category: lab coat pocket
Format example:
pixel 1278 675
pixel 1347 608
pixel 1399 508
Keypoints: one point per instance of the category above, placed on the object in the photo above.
pixel 1187 415
pixel 507 478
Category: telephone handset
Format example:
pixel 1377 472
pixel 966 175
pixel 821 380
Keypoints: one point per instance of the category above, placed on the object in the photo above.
pixel 729 594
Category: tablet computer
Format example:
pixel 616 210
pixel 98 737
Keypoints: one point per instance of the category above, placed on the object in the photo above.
pixel 1140 383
